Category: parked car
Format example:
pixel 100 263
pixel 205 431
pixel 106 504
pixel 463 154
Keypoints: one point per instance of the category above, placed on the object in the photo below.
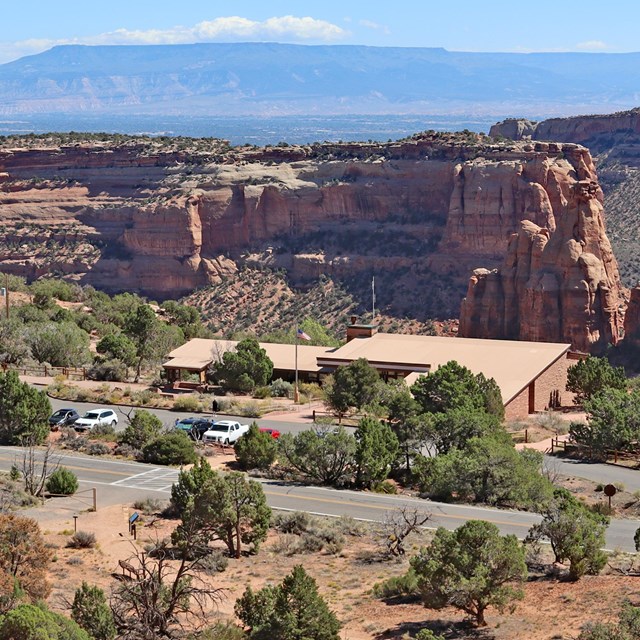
pixel 195 428
pixel 274 433
pixel 94 418
pixel 62 418
pixel 225 432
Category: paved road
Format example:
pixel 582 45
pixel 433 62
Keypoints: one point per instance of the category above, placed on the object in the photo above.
pixel 598 472
pixel 119 482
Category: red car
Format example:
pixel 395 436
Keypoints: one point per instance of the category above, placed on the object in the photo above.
pixel 274 433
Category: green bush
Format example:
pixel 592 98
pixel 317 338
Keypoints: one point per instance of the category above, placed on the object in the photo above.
pixel 171 448
pixel 255 449
pixel 405 585
pixel 36 622
pixel 262 392
pixel 281 389
pixel 62 482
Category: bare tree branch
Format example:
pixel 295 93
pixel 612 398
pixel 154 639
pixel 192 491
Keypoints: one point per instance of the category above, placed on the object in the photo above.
pixel 35 468
pixel 398 524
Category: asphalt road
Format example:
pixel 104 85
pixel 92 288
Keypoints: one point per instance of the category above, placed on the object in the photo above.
pixel 119 482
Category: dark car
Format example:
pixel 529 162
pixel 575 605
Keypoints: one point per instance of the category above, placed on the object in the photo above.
pixel 63 418
pixel 193 427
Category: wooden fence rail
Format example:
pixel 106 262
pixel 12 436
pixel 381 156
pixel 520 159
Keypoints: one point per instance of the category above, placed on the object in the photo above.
pixel 71 373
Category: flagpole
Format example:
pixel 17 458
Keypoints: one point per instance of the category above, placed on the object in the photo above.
pixel 373 300
pixel 296 395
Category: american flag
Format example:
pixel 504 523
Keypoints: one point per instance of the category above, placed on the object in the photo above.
pixel 302 335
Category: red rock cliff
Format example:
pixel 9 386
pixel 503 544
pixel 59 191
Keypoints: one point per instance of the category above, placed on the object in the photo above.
pixel 423 212
pixel 558 282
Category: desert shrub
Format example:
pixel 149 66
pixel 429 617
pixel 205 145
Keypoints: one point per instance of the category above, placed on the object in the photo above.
pixel 405 585
pixel 221 631
pixel 83 395
pixel 82 540
pixel 149 505
pixel 249 410
pixel 187 403
pixel 126 451
pixel 142 398
pixel 214 562
pixel 111 370
pixel 143 427
pixel 311 543
pixel 97 449
pixel 223 405
pixel 292 522
pixel 385 486
pixel 281 389
pixel 262 392
pixel 171 448
pixel 102 431
pixel 62 482
pixel 311 390
pixel 69 439
pixel 349 526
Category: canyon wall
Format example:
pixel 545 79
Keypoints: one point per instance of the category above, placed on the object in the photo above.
pixel 165 218
pixel 616 134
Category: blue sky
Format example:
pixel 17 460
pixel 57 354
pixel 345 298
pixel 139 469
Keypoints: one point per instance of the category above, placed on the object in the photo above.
pixel 31 26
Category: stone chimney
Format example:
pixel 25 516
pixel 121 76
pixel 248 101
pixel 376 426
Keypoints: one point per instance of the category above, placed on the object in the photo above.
pixel 355 330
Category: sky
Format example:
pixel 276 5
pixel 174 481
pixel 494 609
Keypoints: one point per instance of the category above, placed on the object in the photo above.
pixel 31 26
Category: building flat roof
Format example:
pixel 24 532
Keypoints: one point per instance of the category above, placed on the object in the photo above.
pixel 512 364
pixel 202 350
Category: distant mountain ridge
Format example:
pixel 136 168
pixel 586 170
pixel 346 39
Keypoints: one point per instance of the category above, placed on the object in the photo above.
pixel 270 79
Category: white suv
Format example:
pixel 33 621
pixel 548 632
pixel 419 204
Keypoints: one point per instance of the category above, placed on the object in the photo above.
pixel 96 417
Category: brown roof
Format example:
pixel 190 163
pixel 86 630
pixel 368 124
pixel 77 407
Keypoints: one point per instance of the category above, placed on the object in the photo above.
pixel 512 364
pixel 197 351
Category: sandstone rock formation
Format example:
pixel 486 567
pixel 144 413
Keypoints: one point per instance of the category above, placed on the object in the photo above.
pixel 632 318
pixel 558 283
pixel 166 217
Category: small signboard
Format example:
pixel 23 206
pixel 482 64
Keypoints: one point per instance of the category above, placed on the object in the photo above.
pixel 132 519
pixel 610 490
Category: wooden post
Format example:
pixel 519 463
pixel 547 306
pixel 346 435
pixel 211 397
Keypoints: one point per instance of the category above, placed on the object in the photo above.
pixel 526 436
pixel 95 498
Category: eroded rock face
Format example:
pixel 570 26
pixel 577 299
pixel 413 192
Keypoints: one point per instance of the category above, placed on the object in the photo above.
pixel 632 317
pixel 424 212
pixel 555 285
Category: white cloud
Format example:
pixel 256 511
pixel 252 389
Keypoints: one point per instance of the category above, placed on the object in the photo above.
pixel 369 24
pixel 225 29
pixel 592 45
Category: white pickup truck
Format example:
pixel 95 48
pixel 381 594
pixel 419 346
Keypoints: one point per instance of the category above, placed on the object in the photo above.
pixel 224 432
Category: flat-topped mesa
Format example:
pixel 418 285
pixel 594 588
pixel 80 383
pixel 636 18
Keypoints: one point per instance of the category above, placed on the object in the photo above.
pixel 555 284
pixel 617 134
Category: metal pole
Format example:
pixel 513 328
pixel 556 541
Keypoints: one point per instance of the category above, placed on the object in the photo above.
pixel 373 300
pixel 296 395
